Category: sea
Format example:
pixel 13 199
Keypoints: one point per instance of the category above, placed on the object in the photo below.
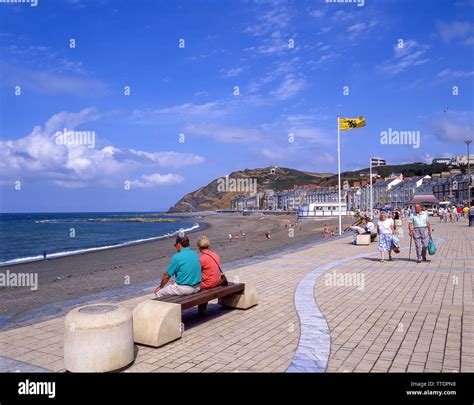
pixel 29 237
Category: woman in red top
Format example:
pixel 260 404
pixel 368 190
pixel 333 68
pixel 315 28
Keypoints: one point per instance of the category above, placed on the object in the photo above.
pixel 210 262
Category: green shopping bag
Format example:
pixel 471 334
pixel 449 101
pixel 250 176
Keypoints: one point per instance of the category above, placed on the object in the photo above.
pixel 431 247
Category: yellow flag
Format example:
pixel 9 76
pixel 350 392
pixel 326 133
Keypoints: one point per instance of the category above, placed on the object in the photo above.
pixel 349 123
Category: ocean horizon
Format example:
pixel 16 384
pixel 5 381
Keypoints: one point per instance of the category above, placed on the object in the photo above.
pixel 26 237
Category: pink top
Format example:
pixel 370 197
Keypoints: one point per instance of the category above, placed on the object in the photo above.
pixel 210 273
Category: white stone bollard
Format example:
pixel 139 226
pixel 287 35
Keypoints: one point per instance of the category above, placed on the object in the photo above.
pixel 98 338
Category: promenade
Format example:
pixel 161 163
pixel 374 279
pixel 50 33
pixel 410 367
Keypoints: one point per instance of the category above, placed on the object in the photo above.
pixel 332 307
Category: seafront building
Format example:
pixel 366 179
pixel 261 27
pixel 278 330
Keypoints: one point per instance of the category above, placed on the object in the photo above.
pixel 395 192
pixel 454 161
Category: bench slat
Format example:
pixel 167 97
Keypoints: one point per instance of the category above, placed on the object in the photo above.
pixel 191 300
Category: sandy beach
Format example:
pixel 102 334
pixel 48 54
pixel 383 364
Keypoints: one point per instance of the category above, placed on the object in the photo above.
pixel 79 275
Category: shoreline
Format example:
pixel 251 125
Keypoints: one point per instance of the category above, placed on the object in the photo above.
pixel 126 268
pixel 53 256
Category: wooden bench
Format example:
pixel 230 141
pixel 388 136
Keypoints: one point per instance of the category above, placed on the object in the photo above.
pixel 201 298
pixel 157 321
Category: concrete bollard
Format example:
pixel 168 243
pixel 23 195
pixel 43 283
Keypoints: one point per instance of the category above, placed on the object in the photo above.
pixel 98 338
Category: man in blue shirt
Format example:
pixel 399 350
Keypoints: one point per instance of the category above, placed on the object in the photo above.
pixel 420 231
pixel 186 269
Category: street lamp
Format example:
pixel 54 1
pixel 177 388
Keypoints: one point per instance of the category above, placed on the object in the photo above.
pixel 468 142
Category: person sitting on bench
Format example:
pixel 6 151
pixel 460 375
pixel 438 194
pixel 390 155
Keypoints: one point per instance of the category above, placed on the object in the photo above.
pixel 370 228
pixel 210 265
pixel 186 269
pixel 359 229
pixel 366 227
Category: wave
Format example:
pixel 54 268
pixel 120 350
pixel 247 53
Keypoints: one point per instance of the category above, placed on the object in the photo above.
pixel 56 221
pixel 79 251
pixel 47 221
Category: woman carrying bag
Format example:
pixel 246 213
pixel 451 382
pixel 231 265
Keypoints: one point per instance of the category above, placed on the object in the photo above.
pixel 211 272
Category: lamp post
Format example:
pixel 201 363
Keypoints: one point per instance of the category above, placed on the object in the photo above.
pixel 468 142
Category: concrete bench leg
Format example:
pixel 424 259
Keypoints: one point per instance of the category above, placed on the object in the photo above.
pixel 156 323
pixel 363 239
pixel 247 299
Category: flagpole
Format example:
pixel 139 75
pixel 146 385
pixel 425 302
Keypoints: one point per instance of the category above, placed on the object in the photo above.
pixel 371 193
pixel 339 173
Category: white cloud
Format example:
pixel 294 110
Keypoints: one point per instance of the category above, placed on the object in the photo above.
pixel 232 72
pixel 358 27
pixel 311 134
pixel 454 30
pixel 454 126
pixel 343 15
pixel 50 82
pixel 274 44
pixel 169 159
pixel 156 179
pixel 297 119
pixel 38 157
pixel 202 93
pixel 411 54
pixel 278 69
pixel 317 12
pixel 275 18
pixel 40 57
pixel 290 86
pixel 211 109
pixel 456 74
pixel 327 57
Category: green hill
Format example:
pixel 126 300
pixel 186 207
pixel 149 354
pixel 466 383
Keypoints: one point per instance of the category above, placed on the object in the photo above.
pixel 278 179
pixel 210 198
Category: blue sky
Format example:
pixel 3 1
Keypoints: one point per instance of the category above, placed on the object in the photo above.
pixel 399 59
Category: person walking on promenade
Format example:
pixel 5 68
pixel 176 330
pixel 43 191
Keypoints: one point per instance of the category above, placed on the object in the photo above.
pixel 385 230
pixel 459 213
pixel 466 212
pixel 420 230
pixel 440 214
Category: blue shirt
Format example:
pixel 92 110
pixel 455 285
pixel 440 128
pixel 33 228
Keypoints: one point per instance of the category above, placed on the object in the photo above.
pixel 186 268
pixel 419 221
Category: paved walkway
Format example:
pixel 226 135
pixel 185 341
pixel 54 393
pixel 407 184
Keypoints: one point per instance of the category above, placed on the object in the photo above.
pixel 367 316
